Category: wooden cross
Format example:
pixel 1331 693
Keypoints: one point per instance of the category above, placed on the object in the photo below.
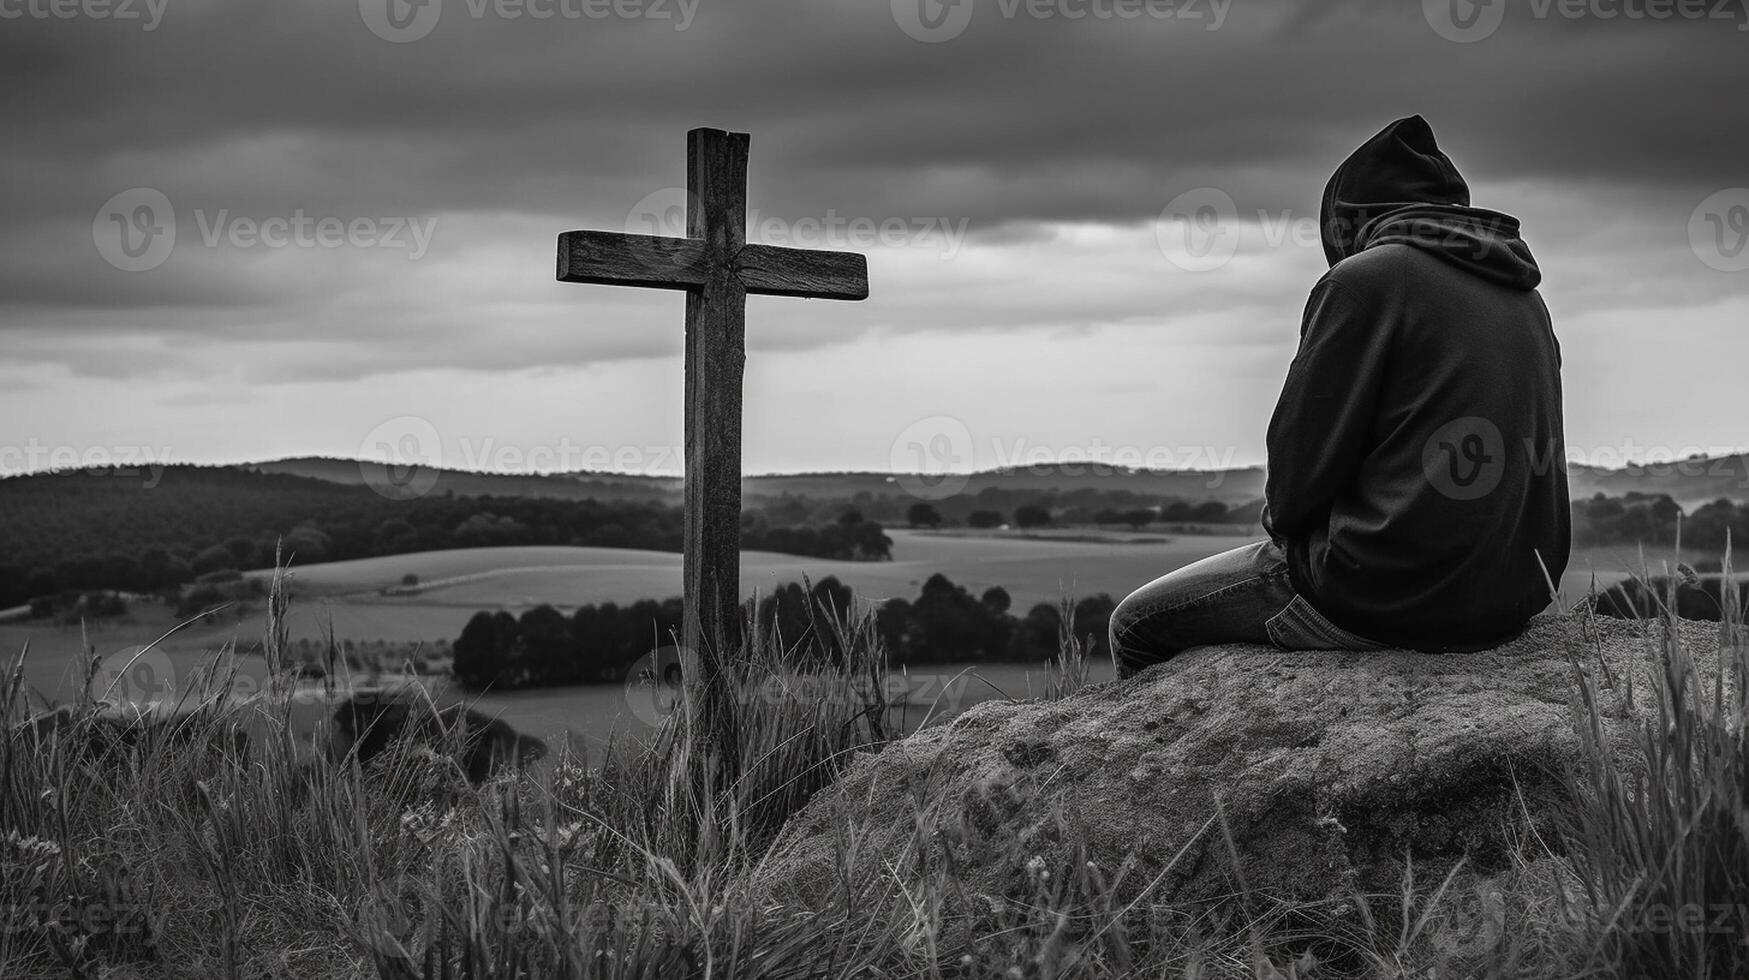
pixel 718 270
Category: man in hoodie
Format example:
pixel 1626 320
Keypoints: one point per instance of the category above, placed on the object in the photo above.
pixel 1417 488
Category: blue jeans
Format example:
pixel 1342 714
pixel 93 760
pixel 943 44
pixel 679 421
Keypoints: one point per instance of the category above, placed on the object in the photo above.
pixel 1240 596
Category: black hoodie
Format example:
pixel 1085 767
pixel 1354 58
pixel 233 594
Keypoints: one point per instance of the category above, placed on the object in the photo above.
pixel 1417 469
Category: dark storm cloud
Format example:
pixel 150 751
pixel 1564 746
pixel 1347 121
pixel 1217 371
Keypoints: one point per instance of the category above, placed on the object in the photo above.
pixel 265 109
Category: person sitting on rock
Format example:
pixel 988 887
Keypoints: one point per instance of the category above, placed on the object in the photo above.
pixel 1417 487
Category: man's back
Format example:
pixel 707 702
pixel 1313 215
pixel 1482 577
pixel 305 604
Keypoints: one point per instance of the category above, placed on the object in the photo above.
pixel 1417 466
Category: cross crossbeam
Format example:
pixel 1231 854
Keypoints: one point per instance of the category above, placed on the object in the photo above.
pixel 611 259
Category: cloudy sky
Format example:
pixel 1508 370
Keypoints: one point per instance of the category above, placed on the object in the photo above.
pixel 241 230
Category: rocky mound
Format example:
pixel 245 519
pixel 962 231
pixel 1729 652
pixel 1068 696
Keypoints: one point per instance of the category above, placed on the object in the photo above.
pixel 1329 768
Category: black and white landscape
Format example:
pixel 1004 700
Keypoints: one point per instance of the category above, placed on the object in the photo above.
pixel 646 488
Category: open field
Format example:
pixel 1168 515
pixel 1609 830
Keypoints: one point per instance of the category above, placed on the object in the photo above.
pixel 351 599
pixel 1033 568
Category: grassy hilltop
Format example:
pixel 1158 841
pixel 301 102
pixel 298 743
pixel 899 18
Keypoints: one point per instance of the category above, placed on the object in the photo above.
pixel 179 857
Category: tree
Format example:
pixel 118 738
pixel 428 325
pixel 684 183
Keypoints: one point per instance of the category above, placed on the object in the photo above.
pixel 216 558
pixel 394 536
pixel 307 544
pixel 120 571
pixel 850 518
pixel 243 550
pixel 1092 621
pixel 484 651
pixel 1037 637
pixel 997 600
pixel 1138 518
pixel 12 591
pixel 872 544
pixel 923 514
pixel 1032 515
pixel 40 582
pixel 950 624
pixel 547 652
pixel 1249 513
pixel 834 598
pixel 984 519
pixel 1212 512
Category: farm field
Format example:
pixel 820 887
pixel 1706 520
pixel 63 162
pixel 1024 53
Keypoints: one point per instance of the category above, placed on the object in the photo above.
pixel 348 598
pixel 351 599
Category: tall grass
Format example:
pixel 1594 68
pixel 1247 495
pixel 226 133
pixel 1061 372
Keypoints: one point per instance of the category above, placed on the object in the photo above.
pixel 1664 845
pixel 160 850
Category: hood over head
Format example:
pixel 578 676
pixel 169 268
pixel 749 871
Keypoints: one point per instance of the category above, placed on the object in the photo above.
pixel 1400 188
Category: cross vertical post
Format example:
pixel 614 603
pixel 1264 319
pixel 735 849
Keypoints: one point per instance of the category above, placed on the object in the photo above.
pixel 716 183
pixel 718 270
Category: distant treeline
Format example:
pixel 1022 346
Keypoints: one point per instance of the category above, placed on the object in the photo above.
pixel 1695 596
pixel 1652 520
pixel 602 644
pixel 89 530
pixel 994 506
pixel 1043 514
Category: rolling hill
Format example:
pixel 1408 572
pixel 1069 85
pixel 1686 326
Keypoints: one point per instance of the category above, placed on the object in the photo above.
pixel 1688 482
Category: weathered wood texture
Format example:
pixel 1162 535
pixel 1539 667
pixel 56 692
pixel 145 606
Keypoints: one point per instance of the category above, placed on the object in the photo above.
pixel 612 259
pixel 718 269
pixel 716 176
pixel 767 270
